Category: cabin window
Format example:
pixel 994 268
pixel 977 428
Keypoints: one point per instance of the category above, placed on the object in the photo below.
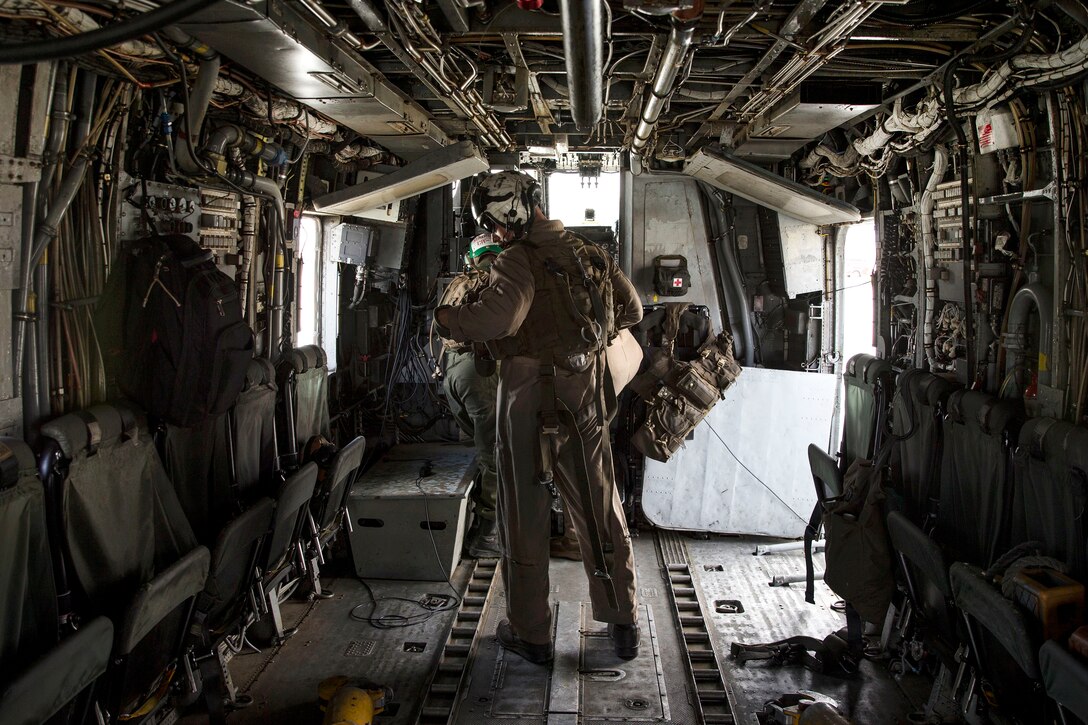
pixel 577 201
pixel 309 266
pixel 859 260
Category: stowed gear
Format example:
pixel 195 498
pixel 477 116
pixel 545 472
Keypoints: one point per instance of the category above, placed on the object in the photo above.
pixel 506 199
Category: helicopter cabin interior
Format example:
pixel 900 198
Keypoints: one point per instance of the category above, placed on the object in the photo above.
pixel 882 202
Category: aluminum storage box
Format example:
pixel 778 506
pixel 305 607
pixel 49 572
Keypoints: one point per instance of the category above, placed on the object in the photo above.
pixel 395 512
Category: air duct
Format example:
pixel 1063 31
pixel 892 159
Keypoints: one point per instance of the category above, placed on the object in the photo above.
pixel 680 38
pixel 583 44
pixel 756 184
pixel 438 168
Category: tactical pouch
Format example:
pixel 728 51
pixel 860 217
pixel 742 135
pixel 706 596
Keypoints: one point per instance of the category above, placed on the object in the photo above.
pixel 669 419
pixel 696 388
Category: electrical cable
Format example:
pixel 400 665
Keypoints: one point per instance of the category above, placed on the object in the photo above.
pixel 127 30
pixel 398 620
pixel 751 473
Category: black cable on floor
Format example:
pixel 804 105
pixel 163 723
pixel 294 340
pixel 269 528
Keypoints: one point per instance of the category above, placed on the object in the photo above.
pixel 398 620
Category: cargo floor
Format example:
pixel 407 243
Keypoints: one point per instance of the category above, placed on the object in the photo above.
pixel 587 685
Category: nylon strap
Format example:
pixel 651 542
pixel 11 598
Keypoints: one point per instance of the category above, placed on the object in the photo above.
pixel 1038 435
pixel 673 312
pixel 811 531
pixel 94 430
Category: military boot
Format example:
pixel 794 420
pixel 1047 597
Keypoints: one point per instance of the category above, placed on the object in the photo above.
pixel 625 637
pixel 484 543
pixel 538 654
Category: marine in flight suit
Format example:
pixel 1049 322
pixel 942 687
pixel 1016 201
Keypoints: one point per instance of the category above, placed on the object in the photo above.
pixel 472 397
pixel 522 316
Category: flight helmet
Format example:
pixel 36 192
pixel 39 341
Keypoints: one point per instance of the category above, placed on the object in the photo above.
pixel 481 246
pixel 508 199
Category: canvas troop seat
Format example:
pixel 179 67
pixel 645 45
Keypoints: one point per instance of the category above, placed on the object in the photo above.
pixel 253 434
pixel 974 511
pixel 1065 678
pixel 39 675
pixel 282 561
pixel 925 572
pixel 1003 645
pixel 199 466
pixel 917 411
pixel 328 507
pixel 1050 484
pixel 828 480
pixel 230 600
pixel 870 383
pixel 130 553
pixel 304 379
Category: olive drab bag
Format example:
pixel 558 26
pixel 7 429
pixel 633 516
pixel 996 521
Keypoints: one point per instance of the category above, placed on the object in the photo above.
pixel 679 394
pixel 170 326
pixel 858 558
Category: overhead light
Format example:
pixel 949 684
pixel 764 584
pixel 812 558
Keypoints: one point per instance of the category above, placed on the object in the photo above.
pixel 770 190
pixel 438 168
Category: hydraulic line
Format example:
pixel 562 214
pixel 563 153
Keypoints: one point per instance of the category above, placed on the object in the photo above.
pixel 940 165
pixel 672 60
pixel 135 27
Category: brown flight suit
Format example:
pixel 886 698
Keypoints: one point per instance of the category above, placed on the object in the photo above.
pixel 524 502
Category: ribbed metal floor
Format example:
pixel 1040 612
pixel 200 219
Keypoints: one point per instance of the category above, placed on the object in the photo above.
pixel 587 685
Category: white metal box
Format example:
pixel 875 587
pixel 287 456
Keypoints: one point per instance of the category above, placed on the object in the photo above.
pixel 350 243
pixel 395 511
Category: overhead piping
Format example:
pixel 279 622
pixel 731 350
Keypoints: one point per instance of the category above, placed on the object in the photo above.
pixel 199 98
pixel 680 38
pixel 39 51
pixel 583 45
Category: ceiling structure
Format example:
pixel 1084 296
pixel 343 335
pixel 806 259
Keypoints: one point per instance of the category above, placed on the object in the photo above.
pixel 762 78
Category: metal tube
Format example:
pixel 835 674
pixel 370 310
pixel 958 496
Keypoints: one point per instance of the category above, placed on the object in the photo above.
pixel 58 130
pixel 1036 296
pixel 672 60
pixel 32 377
pixel 231 136
pixel 275 311
pixel 583 46
pixel 249 252
pixel 44 234
pixel 199 98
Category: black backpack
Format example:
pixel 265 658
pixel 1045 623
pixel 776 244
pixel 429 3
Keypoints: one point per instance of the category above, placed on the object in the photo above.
pixel 171 330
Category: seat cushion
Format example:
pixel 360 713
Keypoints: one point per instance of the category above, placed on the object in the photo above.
pixel 980 600
pixel 1066 678
pixel 919 550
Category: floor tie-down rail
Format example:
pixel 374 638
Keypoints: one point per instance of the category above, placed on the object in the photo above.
pixel 714 700
pixel 441 695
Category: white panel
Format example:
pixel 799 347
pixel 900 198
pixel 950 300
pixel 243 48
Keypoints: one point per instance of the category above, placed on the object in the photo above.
pixel 768 419
pixel 667 218
pixel 802 255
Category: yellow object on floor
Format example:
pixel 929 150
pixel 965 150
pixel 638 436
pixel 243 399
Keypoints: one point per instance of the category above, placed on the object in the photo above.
pixel 350 702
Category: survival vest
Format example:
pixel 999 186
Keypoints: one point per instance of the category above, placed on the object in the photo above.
pixel 464 288
pixel 573 312
pixel 678 393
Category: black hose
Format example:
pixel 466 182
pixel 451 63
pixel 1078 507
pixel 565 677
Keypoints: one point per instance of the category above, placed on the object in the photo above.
pixel 127 30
